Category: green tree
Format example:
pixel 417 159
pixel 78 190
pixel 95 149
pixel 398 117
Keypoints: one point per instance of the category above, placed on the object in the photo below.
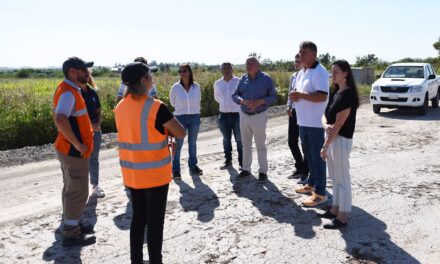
pixel 326 60
pixel 437 46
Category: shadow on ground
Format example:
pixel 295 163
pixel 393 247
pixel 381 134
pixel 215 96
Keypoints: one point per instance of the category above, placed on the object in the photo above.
pixel 367 240
pixel 201 199
pixel 59 254
pixel 268 199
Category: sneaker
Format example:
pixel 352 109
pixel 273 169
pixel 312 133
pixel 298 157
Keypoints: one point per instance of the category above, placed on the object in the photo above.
pixel 72 236
pixel 296 175
pixel 303 182
pixel 196 170
pixel 78 240
pixel 177 176
pixel 98 191
pixel 226 165
pixel 262 177
pixel 306 189
pixel 314 200
pixel 243 174
pixel 336 224
pixel 86 229
pixel 327 215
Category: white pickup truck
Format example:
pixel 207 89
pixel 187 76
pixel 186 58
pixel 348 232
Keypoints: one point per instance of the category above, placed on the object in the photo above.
pixel 406 85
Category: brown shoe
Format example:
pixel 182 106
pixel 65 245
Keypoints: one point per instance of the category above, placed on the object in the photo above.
pixel 314 200
pixel 306 189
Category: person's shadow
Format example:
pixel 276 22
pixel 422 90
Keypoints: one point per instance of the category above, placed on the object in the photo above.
pixel 367 240
pixel 59 254
pixel 123 221
pixel 268 199
pixel 201 198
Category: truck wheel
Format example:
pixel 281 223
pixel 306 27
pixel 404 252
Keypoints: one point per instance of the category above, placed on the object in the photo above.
pixel 435 100
pixel 424 107
pixel 376 109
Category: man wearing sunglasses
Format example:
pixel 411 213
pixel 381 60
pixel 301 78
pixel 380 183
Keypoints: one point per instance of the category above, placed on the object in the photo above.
pixel 73 145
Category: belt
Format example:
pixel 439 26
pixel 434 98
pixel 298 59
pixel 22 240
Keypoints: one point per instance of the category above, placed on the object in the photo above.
pixel 254 113
pixel 229 113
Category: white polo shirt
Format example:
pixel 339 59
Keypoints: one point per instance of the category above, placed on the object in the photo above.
pixel 223 91
pixel 311 80
pixel 185 103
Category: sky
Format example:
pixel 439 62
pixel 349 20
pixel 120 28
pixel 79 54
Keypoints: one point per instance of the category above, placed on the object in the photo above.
pixel 46 32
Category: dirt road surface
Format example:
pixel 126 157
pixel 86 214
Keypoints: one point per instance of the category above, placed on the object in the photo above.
pixel 395 167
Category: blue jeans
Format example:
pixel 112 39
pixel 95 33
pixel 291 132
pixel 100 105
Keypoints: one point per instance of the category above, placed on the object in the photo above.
pixel 94 158
pixel 312 139
pixel 229 124
pixel 191 123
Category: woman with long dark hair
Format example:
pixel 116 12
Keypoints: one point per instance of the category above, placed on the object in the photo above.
pixel 185 97
pixel 339 123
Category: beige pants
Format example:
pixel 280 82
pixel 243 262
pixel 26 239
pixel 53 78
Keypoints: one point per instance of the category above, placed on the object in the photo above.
pixel 339 171
pixel 76 185
pixel 254 126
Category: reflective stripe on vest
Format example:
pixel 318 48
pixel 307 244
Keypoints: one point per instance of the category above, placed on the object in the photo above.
pixel 80 112
pixel 145 165
pixel 144 145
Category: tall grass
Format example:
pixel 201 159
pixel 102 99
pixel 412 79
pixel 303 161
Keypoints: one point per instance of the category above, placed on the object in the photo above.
pixel 25 104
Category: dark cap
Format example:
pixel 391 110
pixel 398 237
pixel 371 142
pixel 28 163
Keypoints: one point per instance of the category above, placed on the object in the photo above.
pixel 143 60
pixel 133 72
pixel 76 63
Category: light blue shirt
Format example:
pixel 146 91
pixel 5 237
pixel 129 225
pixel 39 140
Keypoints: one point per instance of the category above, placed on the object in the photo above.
pixel 262 87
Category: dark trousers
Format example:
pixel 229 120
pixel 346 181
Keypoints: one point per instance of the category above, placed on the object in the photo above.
pixel 148 210
pixel 229 124
pixel 293 136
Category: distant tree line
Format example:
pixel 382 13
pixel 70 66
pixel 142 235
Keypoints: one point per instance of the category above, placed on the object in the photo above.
pixel 369 60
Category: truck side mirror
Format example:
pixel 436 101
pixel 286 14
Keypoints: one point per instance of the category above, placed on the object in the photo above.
pixel 432 76
pixel 378 75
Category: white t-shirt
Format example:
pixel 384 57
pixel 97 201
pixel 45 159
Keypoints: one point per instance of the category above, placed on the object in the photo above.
pixel 223 91
pixel 185 103
pixel 123 87
pixel 311 80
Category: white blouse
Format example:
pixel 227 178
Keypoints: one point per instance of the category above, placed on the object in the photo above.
pixel 185 103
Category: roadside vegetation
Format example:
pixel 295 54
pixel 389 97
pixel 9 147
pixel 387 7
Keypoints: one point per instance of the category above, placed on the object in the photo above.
pixel 26 94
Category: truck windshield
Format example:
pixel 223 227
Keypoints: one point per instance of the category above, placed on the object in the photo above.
pixel 404 72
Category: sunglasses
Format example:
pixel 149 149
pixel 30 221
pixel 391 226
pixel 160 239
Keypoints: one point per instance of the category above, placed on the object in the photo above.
pixel 183 71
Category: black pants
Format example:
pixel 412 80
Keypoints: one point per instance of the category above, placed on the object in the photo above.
pixel 293 136
pixel 148 210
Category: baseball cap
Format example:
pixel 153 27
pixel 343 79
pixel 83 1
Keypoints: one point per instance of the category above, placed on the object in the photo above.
pixel 76 63
pixel 133 72
pixel 143 60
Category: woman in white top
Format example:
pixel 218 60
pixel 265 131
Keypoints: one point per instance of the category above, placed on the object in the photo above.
pixel 185 96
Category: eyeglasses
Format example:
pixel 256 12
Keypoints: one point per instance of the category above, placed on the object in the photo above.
pixel 183 71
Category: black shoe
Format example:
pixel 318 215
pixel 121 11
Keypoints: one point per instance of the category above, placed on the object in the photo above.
pixel 226 165
pixel 262 177
pixel 86 229
pixel 243 174
pixel 296 175
pixel 177 176
pixel 196 170
pixel 79 240
pixel 336 224
pixel 327 215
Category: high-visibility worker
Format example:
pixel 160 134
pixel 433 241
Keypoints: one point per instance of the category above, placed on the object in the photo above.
pixel 143 125
pixel 73 146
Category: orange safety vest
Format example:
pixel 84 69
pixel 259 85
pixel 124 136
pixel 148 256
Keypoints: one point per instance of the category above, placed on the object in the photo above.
pixel 79 122
pixel 143 151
